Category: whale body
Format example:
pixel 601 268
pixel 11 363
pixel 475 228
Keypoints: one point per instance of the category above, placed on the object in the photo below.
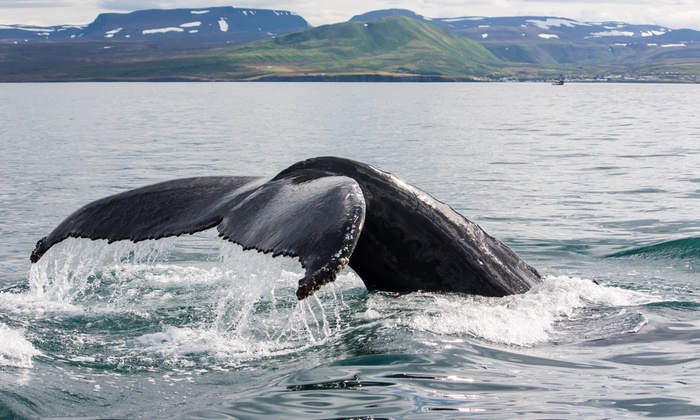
pixel 328 212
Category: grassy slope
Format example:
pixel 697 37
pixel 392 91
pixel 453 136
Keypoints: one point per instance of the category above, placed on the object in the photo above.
pixel 547 58
pixel 393 45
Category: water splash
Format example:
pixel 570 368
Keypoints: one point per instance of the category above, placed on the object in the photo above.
pixel 15 350
pixel 75 265
pixel 226 308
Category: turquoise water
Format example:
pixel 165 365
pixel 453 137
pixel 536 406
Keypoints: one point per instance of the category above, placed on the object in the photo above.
pixel 586 182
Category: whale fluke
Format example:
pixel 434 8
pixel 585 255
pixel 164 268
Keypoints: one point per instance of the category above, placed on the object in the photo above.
pixel 328 212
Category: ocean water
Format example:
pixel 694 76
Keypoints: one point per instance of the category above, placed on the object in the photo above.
pixel 595 185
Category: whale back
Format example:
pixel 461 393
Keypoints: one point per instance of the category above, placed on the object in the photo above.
pixel 411 241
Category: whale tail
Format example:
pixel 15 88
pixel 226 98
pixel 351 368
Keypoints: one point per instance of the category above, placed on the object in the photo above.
pixel 316 220
pixel 327 212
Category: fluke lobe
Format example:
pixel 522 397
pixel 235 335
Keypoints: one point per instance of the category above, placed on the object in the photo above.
pixel 327 211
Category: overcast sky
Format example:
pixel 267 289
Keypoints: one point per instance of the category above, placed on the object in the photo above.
pixel 672 13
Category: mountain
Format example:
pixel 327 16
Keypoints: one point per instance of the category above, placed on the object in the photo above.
pixel 554 40
pixel 395 48
pixel 519 28
pixel 27 33
pixel 215 24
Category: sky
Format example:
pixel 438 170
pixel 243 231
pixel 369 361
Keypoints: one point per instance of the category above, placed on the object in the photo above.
pixel 674 14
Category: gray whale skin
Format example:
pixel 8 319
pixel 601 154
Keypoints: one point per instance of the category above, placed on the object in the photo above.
pixel 328 212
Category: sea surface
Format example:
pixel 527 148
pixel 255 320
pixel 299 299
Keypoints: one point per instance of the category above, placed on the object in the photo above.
pixel 595 185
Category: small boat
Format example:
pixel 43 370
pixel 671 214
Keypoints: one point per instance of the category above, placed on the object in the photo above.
pixel 559 81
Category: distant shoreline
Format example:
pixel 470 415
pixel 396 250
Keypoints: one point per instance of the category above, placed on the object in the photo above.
pixel 368 78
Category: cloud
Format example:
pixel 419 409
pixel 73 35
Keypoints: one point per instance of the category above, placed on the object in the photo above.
pixel 28 4
pixel 131 5
pixel 44 12
pixel 671 13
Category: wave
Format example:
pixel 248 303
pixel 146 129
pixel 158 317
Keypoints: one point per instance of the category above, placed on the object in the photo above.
pixel 129 305
pixel 680 249
pixel 680 305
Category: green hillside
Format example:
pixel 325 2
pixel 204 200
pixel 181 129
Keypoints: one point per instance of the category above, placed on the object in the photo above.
pixel 395 47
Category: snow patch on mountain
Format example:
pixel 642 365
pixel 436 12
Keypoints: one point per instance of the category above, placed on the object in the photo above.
pixel 652 33
pixel 223 25
pixel 110 34
pixel 612 33
pixel 550 23
pixel 161 30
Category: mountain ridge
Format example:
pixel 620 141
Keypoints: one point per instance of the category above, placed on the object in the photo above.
pixel 225 24
pixel 281 45
pixel 547 40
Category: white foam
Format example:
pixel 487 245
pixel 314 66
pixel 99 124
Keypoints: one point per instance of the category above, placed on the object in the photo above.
pixel 83 359
pixel 521 320
pixel 251 307
pixel 257 317
pixel 15 350
pixel 548 36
